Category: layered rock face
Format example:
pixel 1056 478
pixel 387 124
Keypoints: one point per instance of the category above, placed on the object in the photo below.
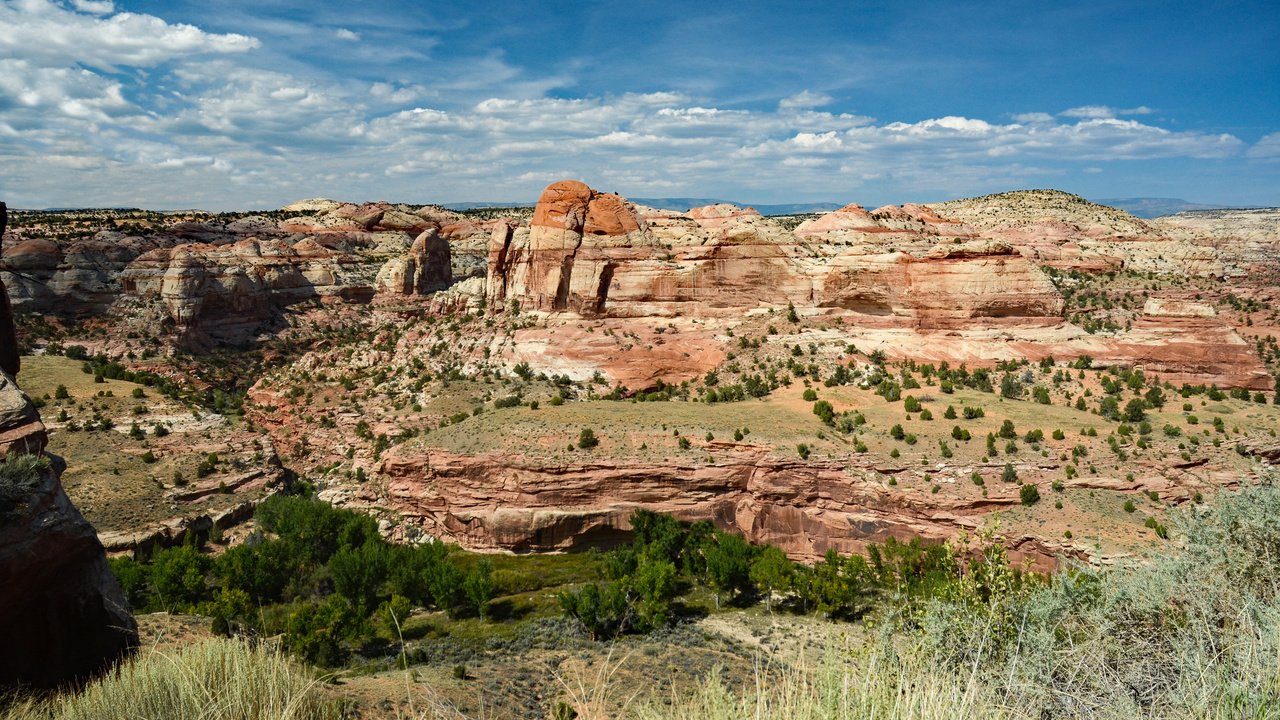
pixel 238 285
pixel 63 616
pixel 562 272
pixel 426 268
pixel 504 503
pixel 225 279
pixel 597 255
pixel 80 278
pixel 959 281
pixel 952 285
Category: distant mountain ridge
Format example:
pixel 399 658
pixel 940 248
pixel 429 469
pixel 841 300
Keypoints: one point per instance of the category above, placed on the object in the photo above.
pixel 1150 207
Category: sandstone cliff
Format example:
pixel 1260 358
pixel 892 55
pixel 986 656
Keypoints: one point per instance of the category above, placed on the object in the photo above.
pixel 493 502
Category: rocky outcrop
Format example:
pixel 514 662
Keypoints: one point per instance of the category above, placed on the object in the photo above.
pixel 9 361
pixel 952 285
pixel 230 289
pixel 426 268
pixel 596 255
pixel 63 616
pixel 1184 341
pixel 80 278
pixel 491 502
pixel 569 266
pixel 21 431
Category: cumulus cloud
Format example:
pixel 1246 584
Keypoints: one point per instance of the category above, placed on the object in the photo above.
pixel 97 7
pixel 192 121
pixel 1267 148
pixel 804 100
pixel 53 35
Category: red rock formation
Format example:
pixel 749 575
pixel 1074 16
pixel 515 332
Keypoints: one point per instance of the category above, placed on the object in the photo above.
pixel 557 276
pixel 501 502
pixel 951 286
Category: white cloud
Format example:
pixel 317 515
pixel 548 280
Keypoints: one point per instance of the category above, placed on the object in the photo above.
pixel 1101 112
pixel 804 100
pixel 1089 111
pixel 45 33
pixel 71 92
pixel 345 34
pixel 181 129
pixel 97 7
pixel 1267 148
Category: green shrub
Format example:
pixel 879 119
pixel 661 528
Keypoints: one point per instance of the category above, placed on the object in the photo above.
pixel 20 475
pixel 1028 494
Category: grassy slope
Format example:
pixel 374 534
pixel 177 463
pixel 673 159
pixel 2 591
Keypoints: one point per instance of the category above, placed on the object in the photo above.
pixel 106 476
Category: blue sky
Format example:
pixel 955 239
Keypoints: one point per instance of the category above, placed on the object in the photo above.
pixel 224 104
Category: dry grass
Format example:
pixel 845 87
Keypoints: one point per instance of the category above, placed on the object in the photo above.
pixel 107 476
pixel 845 685
pixel 211 680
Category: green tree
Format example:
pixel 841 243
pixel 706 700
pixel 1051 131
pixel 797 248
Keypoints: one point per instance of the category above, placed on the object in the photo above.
pixel 825 412
pixel 133 577
pixel 654 586
pixel 728 566
pixel 1135 410
pixel 358 575
pixel 1028 494
pixel 262 570
pixel 445 581
pixel 1155 397
pixel 1010 474
pixel 227 609
pixel 771 572
pixel 477 587
pixel 601 608
pixel 316 632
pixel 178 577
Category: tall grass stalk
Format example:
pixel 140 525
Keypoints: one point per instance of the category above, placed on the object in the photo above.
pixel 210 680
pixel 867 684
